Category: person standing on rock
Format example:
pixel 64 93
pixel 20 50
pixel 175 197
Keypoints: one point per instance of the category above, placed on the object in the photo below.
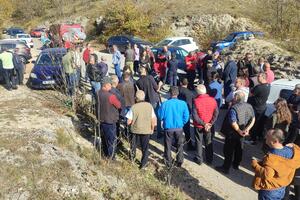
pixel 229 75
pixel 129 57
pixel 116 61
pixel 174 114
pixel 6 59
pixel 187 95
pixel 236 125
pixel 269 72
pixel 108 115
pixel 142 120
pixel 205 113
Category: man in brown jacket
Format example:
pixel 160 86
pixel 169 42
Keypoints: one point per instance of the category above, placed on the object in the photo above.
pixel 277 169
pixel 142 120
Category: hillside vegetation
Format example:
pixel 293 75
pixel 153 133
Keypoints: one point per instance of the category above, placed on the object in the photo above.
pixel 151 19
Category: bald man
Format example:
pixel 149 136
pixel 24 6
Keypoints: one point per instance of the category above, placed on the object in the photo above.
pixel 269 72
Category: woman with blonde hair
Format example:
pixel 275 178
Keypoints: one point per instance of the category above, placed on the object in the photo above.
pixel 282 117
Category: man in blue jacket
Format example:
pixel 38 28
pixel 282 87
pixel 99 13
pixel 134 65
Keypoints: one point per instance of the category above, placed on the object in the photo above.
pixel 174 113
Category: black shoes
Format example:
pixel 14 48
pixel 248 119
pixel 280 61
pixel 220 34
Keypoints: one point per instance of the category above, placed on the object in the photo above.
pixel 196 160
pixel 222 169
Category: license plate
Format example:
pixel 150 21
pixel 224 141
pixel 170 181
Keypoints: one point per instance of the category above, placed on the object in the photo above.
pixel 48 82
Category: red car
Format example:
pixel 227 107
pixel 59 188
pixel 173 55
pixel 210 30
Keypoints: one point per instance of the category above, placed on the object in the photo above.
pixel 37 32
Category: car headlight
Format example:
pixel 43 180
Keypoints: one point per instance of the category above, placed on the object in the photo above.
pixel 33 75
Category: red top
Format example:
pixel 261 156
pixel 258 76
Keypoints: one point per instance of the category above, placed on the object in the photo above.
pixel 113 100
pixel 190 62
pixel 205 107
pixel 199 57
pixel 86 55
pixel 270 76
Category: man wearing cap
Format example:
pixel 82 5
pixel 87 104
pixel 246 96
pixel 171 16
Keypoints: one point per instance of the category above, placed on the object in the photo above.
pixel 108 115
pixel 142 120
pixel 6 59
pixel 175 114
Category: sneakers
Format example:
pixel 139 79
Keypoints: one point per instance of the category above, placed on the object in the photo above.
pixel 222 170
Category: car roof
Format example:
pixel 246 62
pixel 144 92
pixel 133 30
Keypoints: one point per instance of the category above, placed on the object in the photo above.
pixel 241 32
pixel 9 41
pixel 177 38
pixel 169 48
pixel 54 51
pixel 22 34
pixel 286 82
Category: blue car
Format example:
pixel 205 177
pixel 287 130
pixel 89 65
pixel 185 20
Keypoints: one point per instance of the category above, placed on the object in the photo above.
pixel 180 54
pixel 47 70
pixel 232 38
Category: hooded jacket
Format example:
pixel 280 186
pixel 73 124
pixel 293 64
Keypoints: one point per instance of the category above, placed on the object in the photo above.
pixel 275 171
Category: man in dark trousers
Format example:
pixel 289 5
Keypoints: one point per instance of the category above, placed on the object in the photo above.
pixel 205 113
pixel 175 114
pixel 187 95
pixel 258 99
pixel 108 115
pixel 237 124
pixel 19 67
pixel 149 86
pixel 142 120
pixel 6 58
pixel 229 75
pixel 172 70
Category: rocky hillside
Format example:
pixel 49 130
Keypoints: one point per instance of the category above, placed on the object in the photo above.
pixel 43 156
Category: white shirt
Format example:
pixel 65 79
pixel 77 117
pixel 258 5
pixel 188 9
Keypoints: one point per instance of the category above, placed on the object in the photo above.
pixel 136 54
pixel 230 96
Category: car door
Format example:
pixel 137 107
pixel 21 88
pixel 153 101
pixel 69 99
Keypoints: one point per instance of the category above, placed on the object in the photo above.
pixel 123 43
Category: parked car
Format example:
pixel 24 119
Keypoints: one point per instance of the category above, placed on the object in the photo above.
pixel 47 70
pixel 23 49
pixel 14 31
pixel 37 32
pixel 26 38
pixel 280 88
pixel 187 43
pixel 180 54
pixel 232 38
pixel 122 41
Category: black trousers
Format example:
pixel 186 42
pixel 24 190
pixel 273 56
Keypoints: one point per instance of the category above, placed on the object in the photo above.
pixel 258 128
pixel 9 78
pixel 144 141
pixel 207 137
pixel 191 76
pixel 187 133
pixel 136 64
pixel 179 139
pixel 233 151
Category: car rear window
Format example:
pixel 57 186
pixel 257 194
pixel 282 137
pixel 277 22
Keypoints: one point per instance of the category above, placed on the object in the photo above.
pixel 285 93
pixel 50 59
pixel 164 43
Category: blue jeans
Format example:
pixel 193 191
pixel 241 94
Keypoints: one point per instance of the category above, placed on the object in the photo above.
pixel 118 71
pixel 158 127
pixel 276 194
pixel 172 78
pixel 110 138
pixel 96 86
pixel 71 82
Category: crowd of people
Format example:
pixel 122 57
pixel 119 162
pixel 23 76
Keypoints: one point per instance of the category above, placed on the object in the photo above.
pixel 213 83
pixel 12 68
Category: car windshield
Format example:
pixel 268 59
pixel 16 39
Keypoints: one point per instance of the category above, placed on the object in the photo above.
pixel 229 38
pixel 50 59
pixel 23 36
pixel 164 43
pixel 137 39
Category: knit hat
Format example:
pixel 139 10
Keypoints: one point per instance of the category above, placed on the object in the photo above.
pixel 106 80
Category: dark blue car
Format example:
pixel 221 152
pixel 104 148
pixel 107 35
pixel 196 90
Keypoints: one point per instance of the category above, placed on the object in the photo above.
pixel 47 70
pixel 180 54
pixel 232 38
